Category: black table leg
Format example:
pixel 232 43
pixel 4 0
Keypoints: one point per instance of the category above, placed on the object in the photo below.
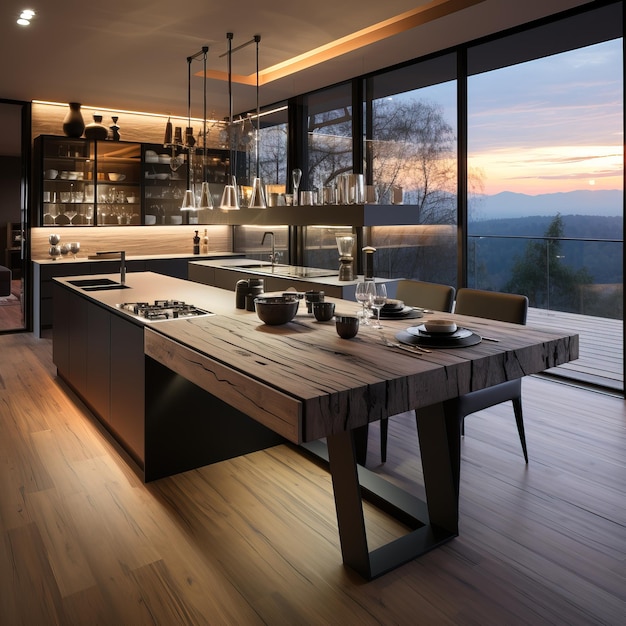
pixel 433 523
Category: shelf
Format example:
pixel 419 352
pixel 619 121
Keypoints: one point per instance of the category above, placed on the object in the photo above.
pixel 357 215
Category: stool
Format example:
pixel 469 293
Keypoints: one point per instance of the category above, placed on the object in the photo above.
pixel 5 281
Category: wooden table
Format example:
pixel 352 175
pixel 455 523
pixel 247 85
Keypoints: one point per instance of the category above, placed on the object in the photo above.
pixel 306 383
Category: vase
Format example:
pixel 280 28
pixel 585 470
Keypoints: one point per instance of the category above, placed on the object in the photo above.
pixel 96 129
pixel 115 129
pixel 73 124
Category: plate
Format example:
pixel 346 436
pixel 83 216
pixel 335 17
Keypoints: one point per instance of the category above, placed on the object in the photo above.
pixel 405 313
pixel 462 338
pixel 421 331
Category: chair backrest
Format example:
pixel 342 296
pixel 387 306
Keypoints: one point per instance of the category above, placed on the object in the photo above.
pixel 426 295
pixel 505 307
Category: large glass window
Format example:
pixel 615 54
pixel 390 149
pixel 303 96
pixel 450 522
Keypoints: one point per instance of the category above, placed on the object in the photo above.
pixel 545 163
pixel 411 153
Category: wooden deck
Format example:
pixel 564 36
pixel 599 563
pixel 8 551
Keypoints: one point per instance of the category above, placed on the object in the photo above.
pixel 601 359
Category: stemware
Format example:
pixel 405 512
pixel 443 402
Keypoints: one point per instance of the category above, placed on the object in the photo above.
pixel 365 294
pixel 74 248
pixel 379 299
pixel 296 177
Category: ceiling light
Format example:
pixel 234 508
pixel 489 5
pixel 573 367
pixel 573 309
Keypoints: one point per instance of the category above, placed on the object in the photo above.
pixel 25 17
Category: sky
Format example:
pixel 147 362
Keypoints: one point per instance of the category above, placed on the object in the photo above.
pixel 546 126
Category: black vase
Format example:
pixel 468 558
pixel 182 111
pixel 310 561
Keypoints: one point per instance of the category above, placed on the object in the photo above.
pixel 96 129
pixel 73 124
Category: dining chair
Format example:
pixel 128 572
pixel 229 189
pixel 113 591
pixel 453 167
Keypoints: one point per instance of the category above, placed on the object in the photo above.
pixel 427 296
pixel 505 307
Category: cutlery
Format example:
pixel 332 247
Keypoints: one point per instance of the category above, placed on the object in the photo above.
pixel 489 338
pixel 412 349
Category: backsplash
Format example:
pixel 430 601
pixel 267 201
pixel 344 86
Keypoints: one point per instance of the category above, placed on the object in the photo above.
pixel 135 240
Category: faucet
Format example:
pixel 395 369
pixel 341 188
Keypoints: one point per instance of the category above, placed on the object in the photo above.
pixel 273 253
pixel 122 254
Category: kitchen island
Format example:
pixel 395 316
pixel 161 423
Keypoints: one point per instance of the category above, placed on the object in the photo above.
pixel 303 382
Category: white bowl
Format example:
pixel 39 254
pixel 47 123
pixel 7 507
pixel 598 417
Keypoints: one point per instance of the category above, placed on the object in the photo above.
pixel 161 176
pixel 440 326
pixel 150 220
pixel 164 158
pixel 151 159
pixel 116 177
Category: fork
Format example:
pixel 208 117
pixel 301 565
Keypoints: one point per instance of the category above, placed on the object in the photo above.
pixel 412 349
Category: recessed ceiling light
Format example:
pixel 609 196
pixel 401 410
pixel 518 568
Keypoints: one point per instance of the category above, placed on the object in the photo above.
pixel 25 17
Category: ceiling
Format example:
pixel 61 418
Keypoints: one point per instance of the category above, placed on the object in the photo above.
pixel 133 55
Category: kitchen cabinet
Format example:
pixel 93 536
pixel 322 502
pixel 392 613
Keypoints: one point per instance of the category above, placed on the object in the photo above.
pixel 80 182
pixel 101 356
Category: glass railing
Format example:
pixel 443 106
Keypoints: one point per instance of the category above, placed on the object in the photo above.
pixel 571 283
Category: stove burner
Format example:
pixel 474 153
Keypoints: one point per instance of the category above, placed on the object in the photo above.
pixel 163 309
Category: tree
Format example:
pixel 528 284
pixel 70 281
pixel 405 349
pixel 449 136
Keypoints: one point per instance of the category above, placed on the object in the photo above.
pixel 542 275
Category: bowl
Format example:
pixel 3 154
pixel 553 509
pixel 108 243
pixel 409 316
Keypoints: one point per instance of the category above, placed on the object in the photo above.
pixel 161 176
pixel 347 326
pixel 116 177
pixel 440 326
pixel 323 311
pixel 164 158
pixel 275 310
pixel 51 174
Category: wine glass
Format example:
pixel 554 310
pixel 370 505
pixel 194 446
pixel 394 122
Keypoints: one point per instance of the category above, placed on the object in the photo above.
pixel 378 301
pixel 74 248
pixel 364 295
pixel 296 177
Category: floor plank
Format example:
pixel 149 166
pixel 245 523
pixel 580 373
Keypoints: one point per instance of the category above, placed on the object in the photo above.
pixel 254 540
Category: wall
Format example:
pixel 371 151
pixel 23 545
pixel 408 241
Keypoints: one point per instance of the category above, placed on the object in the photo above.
pixel 135 240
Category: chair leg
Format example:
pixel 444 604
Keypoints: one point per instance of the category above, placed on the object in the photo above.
pixel 384 425
pixel 519 420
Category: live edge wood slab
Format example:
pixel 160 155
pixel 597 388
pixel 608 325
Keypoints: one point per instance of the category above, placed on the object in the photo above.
pixel 306 383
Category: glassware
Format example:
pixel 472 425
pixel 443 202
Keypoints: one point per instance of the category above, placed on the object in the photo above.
pixel 365 294
pixel 74 248
pixel 296 177
pixel 379 300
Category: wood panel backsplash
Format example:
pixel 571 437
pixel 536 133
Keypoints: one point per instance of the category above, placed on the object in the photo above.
pixel 135 240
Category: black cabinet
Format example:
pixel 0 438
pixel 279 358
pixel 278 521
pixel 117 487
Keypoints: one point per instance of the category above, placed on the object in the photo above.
pixel 80 182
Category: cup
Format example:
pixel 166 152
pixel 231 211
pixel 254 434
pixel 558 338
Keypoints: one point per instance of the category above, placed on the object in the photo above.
pixel 288 199
pixel 307 198
pixel 311 297
pixel 323 311
pixel 347 326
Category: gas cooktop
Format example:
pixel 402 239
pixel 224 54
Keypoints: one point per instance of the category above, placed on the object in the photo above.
pixel 162 310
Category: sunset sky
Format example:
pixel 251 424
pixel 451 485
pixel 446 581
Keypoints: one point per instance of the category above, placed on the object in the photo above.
pixel 551 125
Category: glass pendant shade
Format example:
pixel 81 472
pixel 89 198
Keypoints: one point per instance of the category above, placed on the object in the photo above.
pixel 257 201
pixel 206 201
pixel 230 200
pixel 189 202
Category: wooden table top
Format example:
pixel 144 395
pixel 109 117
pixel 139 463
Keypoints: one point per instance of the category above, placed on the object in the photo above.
pixel 305 382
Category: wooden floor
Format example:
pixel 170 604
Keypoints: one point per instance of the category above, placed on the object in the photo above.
pixel 254 540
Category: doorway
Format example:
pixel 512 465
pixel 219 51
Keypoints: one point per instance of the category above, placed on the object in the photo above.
pixel 14 184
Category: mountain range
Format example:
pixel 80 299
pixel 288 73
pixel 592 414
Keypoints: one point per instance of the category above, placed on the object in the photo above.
pixel 508 204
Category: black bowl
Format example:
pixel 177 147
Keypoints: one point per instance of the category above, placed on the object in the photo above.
pixel 275 310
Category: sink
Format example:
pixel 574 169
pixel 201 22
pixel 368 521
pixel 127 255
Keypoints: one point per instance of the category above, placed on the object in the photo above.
pixel 292 271
pixel 105 287
pixel 97 284
pixel 92 282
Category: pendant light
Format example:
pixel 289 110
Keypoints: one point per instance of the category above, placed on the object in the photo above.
pixel 257 201
pixel 189 198
pixel 230 200
pixel 205 201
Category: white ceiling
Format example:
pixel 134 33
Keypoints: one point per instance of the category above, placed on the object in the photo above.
pixel 133 55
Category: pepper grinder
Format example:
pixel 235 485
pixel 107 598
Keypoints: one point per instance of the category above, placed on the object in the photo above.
pixel 345 244
pixel 369 262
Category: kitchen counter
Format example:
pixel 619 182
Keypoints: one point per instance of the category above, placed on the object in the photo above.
pixel 217 378
pixel 225 273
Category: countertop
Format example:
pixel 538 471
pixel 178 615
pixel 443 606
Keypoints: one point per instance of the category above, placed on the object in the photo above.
pixel 139 257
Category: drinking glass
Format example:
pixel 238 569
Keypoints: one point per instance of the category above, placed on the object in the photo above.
pixel 74 248
pixel 365 294
pixel 296 177
pixel 379 299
